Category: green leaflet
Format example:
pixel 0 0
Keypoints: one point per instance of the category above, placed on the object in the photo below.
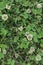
pixel 11 62
pixel 3 46
pixel 4 31
pixel 1 55
pixel 2 5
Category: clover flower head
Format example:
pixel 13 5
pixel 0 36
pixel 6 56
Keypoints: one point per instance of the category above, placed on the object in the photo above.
pixel 39 5
pixel 29 36
pixel 38 57
pixel 20 28
pixel 32 49
pixel 4 17
pixel 8 7
pixel 28 10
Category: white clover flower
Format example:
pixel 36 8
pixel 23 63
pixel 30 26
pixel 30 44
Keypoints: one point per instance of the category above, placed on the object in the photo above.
pixel 38 57
pixel 4 17
pixel 39 5
pixel 29 36
pixel 4 51
pixel 32 49
pixel 20 28
pixel 8 7
pixel 28 10
pixel 0 49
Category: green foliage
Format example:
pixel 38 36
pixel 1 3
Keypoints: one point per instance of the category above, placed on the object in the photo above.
pixel 2 5
pixel 1 55
pixel 3 31
pixel 21 34
pixel 11 62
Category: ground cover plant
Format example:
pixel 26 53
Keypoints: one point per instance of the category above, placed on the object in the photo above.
pixel 21 32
